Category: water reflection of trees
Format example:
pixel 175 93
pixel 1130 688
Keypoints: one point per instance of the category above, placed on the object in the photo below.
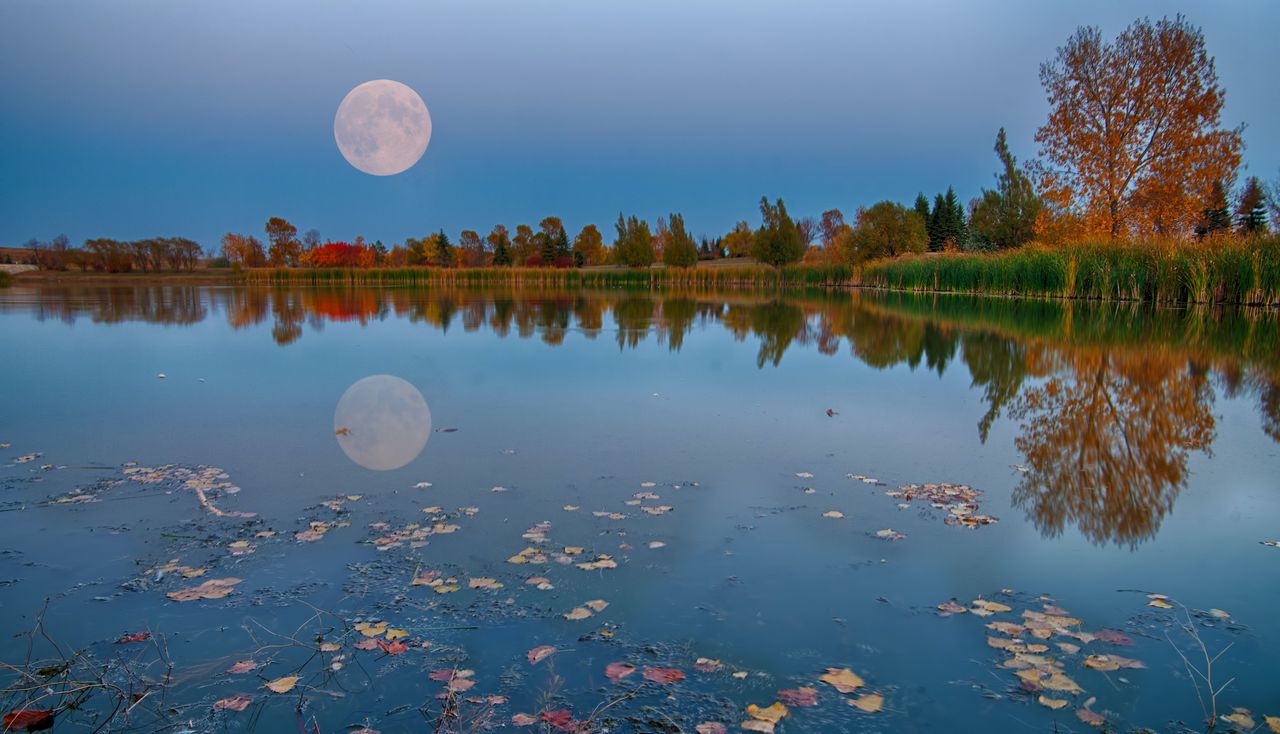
pixel 1110 402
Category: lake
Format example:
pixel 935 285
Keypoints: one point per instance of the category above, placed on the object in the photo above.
pixel 230 508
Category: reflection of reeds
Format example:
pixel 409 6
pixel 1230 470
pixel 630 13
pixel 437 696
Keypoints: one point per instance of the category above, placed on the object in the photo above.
pixel 710 277
pixel 1223 272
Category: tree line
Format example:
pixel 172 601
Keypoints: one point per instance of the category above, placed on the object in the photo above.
pixel 1133 148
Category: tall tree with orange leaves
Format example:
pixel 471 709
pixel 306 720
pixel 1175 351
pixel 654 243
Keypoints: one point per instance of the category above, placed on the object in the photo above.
pixel 1134 142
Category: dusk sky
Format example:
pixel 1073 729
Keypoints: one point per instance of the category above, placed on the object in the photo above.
pixel 135 119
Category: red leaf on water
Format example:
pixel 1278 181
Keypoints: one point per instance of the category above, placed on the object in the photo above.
pixel 1114 637
pixel 392 648
pixel 540 653
pixel 560 718
pixel 663 675
pixel 233 703
pixel 367 645
pixel 800 697
pixel 442 675
pixel 135 637
pixel 29 719
pixel 618 671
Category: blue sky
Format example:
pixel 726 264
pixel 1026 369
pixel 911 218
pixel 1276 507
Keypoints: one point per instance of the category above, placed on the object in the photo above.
pixel 130 119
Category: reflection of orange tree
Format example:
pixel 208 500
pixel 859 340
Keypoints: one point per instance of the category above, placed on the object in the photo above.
pixel 1106 441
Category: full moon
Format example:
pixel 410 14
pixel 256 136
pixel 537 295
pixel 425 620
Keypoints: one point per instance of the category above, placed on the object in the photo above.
pixel 382 422
pixel 382 127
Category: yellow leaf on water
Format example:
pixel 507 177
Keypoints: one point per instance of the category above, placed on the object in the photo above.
pixel 578 613
pixel 283 685
pixel 833 514
pixel 842 679
pixel 772 714
pixel 1241 718
pixel 1160 603
pixel 1053 703
pixel 991 606
pixel 330 647
pixel 1273 723
pixel 395 634
pixel 1060 682
pixel 870 703
pixel 370 629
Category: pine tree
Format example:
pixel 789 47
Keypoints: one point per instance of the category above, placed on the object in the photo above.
pixel 1216 218
pixel 937 223
pixel 444 251
pixel 922 207
pixel 1251 213
pixel 562 245
pixel 957 231
pixel 501 252
pixel 680 252
pixel 546 248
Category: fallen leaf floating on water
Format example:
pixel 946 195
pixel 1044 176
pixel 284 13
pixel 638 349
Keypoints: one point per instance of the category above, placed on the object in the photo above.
pixel 577 613
pixel 1092 718
pixel 1242 718
pixel 663 675
pixel 283 685
pixel 241 548
pixel 799 697
pixel 540 583
pixel 842 679
pixel 395 634
pixel 833 514
pixel 869 703
pixel 601 562
pixel 831 413
pixel 710 727
pixel 1111 662
pixel 561 719
pixel 392 648
pixel 342 432
pixel 369 644
pixel 1053 703
pixel 540 653
pixel 244 666
pixel 989 607
pixel 523 719
pixel 618 671
pixel 772 714
pixel 656 544
pixel 29 719
pixel 1271 543
pixel 484 583
pixel 766 727
pixel 233 703
pixel 890 534
pixel 134 637
pixel 1160 601
pixel 947 608
pixel 211 589
pixel 804 475
pixel 370 629
pixel 596 605
pixel 707 665
pixel 330 647
pixel 1273 723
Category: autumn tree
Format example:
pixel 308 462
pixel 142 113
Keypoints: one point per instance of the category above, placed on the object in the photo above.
pixel 472 247
pixel 1251 212
pixel 285 247
pixel 633 247
pixel 832 222
pixel 1133 142
pixel 738 241
pixel 885 229
pixel 310 239
pixel 808 230
pixel 243 251
pixel 680 251
pixel 523 244
pixel 1215 218
pixel 1006 217
pixel 500 243
pixel 589 246
pixel 777 241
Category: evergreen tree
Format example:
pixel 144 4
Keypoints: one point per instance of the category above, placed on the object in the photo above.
pixel 546 248
pixel 679 252
pixel 777 242
pixel 1007 216
pixel 444 251
pixel 936 224
pixel 501 249
pixel 957 229
pixel 922 208
pixel 1216 218
pixel 1251 213
pixel 562 245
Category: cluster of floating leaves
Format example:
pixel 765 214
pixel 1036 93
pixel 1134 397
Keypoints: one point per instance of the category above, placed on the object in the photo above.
pixel 958 501
pixel 207 482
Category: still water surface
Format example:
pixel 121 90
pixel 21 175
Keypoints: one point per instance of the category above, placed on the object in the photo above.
pixel 726 465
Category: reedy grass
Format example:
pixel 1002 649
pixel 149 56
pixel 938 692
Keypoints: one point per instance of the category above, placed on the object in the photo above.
pixel 1229 271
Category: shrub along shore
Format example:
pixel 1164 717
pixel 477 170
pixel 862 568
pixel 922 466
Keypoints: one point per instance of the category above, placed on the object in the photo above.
pixel 1243 272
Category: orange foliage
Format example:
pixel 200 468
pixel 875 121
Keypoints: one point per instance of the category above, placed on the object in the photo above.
pixel 1133 143
pixel 340 255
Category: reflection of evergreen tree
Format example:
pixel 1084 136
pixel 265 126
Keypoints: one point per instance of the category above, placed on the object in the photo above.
pixel 633 316
pixel 677 317
pixel 998 365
